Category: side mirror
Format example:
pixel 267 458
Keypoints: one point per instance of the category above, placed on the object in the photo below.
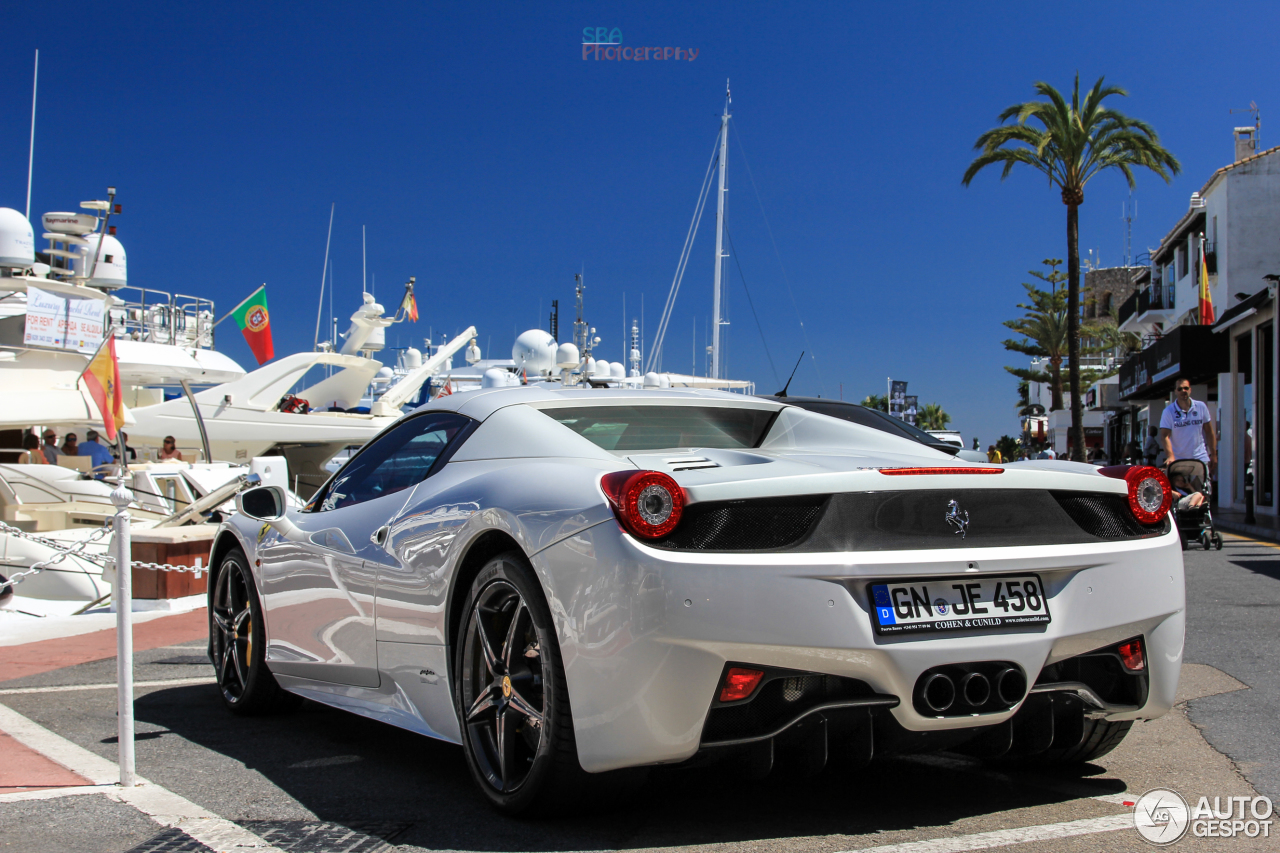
pixel 262 503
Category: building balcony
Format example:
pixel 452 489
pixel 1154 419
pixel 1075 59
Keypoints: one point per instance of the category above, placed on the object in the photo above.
pixel 1150 305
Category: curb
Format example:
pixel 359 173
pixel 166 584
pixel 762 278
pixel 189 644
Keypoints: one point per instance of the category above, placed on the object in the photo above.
pixel 1269 534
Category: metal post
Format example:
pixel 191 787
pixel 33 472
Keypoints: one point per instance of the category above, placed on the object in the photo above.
pixel 121 497
pixel 195 407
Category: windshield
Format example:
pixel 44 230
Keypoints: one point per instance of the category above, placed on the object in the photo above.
pixel 627 428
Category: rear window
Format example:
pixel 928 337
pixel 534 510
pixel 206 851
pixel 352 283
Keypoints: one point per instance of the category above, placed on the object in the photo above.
pixel 629 428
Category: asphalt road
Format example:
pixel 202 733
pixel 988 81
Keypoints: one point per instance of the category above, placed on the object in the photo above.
pixel 322 780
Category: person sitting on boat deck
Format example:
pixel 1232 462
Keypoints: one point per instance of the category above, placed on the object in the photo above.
pixel 69 446
pixel 31 453
pixel 132 454
pixel 100 455
pixel 170 450
pixel 50 449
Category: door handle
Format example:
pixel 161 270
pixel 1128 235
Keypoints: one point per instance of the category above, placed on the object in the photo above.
pixel 379 536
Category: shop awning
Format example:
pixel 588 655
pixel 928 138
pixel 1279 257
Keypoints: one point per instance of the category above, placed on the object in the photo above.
pixel 1193 351
pixel 1246 308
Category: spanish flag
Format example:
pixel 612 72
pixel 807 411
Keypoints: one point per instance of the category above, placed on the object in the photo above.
pixel 1207 316
pixel 103 378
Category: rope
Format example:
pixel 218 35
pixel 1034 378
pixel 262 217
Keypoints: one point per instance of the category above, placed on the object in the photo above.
pixel 769 228
pixel 733 251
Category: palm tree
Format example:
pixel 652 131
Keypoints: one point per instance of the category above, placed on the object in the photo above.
pixel 1044 331
pixel 931 416
pixel 876 401
pixel 1077 140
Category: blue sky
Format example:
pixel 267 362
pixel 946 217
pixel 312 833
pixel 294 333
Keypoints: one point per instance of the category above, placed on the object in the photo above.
pixel 490 161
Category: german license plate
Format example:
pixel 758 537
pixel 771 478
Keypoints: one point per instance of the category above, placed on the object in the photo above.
pixel 957 604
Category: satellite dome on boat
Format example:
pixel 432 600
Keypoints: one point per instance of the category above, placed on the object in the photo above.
pixel 60 222
pixel 618 370
pixel 494 377
pixel 111 270
pixel 534 351
pixel 567 356
pixel 17 240
pixel 412 358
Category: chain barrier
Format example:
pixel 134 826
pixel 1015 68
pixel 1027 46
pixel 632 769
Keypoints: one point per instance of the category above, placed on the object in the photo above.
pixel 63 551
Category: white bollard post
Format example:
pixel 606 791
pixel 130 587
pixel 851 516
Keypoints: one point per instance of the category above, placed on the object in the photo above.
pixel 121 497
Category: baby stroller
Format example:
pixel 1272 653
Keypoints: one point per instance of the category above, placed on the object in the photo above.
pixel 1195 523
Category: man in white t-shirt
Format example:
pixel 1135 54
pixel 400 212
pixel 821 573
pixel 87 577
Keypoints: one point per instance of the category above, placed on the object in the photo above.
pixel 1186 428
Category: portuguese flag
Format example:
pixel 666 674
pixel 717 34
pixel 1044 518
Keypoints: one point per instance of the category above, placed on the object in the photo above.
pixel 255 323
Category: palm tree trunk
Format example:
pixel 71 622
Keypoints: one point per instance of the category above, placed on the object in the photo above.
pixel 1073 332
pixel 1055 388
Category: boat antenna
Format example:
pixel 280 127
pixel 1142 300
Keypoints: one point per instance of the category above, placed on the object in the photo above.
pixel 31 155
pixel 323 274
pixel 364 264
pixel 783 392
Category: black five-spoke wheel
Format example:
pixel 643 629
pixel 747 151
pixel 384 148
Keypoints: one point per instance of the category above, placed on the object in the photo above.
pixel 503 686
pixel 237 641
pixel 233 631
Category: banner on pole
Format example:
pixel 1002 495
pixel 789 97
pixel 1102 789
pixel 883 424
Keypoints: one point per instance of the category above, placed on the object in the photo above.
pixel 909 409
pixel 55 321
pixel 897 397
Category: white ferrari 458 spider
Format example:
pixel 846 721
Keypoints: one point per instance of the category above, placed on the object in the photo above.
pixel 575 583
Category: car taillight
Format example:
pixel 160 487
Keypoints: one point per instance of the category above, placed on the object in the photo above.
pixel 1131 655
pixel 1150 494
pixel 648 503
pixel 739 683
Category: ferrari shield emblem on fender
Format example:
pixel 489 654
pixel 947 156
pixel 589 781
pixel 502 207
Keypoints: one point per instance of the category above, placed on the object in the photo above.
pixel 958 519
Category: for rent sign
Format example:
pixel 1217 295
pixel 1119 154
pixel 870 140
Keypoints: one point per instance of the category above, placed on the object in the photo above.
pixel 55 321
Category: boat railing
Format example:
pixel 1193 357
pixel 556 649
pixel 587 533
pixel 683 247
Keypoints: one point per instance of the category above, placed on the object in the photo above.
pixel 156 316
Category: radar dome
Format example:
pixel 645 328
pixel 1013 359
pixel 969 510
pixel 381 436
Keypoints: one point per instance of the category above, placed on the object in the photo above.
pixel 17 240
pixel 111 271
pixel 602 370
pixel 651 380
pixel 412 358
pixel 618 370
pixel 494 377
pixel 567 356
pixel 534 351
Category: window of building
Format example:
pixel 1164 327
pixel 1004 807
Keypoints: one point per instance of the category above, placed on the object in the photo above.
pixel 1106 304
pixel 1182 261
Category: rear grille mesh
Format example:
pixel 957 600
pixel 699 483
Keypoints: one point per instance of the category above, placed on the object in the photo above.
pixel 1106 516
pixel 746 525
pixel 908 520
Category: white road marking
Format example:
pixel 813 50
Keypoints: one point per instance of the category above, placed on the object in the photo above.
pixel 68 688
pixel 1006 837
pixel 51 793
pixel 160 804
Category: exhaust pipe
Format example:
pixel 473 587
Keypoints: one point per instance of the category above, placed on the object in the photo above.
pixel 1011 686
pixel 976 689
pixel 939 692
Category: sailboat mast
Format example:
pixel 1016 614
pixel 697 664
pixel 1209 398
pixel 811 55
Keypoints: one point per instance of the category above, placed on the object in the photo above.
pixel 31 154
pixel 716 322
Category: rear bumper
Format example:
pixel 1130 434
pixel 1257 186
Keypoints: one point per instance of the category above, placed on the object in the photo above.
pixel 645 633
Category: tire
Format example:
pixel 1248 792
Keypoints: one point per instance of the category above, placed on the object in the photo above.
pixel 238 643
pixel 1217 541
pixel 1100 737
pixel 512 700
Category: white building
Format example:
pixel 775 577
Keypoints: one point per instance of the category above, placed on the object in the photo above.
pixel 1231 364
